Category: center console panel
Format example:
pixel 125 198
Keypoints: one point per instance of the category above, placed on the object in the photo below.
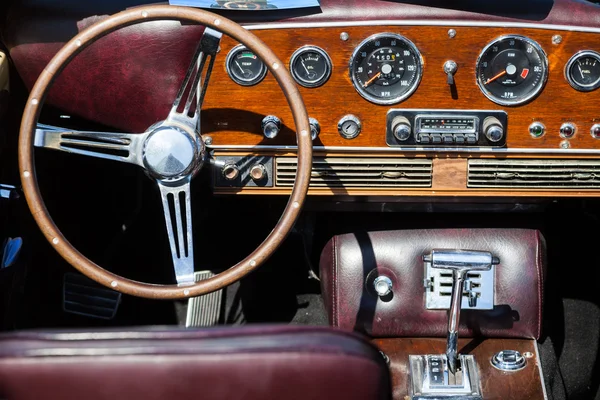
pixel 351 263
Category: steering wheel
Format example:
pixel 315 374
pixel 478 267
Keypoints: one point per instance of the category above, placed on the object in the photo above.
pixel 171 152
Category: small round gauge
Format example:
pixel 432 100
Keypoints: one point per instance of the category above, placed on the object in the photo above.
pixel 386 68
pixel 583 71
pixel 310 66
pixel 244 67
pixel 512 70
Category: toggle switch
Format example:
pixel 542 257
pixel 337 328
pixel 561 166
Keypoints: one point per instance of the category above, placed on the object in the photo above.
pixel 450 68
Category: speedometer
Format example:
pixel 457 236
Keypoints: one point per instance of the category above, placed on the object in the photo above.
pixel 386 68
pixel 512 70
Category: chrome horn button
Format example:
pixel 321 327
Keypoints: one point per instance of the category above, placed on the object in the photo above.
pixel 170 152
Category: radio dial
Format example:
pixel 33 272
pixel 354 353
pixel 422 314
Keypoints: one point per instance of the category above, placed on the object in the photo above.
pixel 401 128
pixel 493 129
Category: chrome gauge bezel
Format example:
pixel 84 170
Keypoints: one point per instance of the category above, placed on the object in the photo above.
pixel 409 92
pixel 243 82
pixel 572 60
pixel 527 98
pixel 328 65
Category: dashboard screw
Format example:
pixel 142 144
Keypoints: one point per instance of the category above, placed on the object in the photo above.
pixel 564 144
pixel 451 33
pixel 344 36
pixel 208 140
pixel 556 39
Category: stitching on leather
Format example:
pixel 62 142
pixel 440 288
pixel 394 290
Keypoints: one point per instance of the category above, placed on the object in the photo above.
pixel 334 282
pixel 538 262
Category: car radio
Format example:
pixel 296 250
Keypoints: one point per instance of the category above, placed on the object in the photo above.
pixel 444 128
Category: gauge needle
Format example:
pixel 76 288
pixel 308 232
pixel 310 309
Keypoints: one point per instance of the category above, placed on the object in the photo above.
pixel 240 67
pixel 373 79
pixel 306 69
pixel 492 79
pixel 580 71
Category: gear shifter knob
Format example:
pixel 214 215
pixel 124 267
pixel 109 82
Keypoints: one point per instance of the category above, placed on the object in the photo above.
pixel 460 262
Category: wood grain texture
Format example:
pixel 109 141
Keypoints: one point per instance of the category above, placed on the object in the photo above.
pixel 496 385
pixel 232 113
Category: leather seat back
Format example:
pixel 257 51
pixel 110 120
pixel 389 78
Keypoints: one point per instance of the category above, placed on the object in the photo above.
pixel 233 363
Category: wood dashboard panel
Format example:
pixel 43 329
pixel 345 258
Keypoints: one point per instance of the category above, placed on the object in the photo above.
pixel 232 114
pixel 495 384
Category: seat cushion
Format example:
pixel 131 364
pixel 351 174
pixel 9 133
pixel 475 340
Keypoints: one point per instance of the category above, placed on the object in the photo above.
pixel 349 261
pixel 233 363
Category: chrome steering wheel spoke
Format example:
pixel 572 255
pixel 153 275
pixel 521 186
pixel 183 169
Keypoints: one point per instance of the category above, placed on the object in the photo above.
pixel 124 147
pixel 196 80
pixel 176 202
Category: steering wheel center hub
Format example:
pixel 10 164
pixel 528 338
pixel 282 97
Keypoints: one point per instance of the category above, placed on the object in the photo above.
pixel 170 152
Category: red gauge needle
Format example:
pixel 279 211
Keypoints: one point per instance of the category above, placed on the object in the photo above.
pixel 492 79
pixel 373 79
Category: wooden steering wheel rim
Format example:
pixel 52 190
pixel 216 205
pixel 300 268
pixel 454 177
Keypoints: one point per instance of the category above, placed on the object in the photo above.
pixel 27 165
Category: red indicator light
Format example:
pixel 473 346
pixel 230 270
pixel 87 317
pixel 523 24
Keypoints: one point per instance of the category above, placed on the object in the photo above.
pixel 524 73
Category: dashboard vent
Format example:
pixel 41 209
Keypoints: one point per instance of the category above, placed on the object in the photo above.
pixel 359 172
pixel 555 174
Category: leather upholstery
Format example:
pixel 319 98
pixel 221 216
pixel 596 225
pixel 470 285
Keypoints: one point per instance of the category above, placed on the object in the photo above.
pixel 232 363
pixel 347 261
pixel 129 79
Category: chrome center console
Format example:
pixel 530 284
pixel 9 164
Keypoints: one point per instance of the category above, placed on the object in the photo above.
pixel 450 375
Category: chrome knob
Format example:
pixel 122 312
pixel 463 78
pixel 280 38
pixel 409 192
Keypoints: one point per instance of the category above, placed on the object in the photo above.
pixel 258 172
pixel 349 126
pixel 230 172
pixel 271 126
pixel 509 360
pixel 567 130
pixel 382 285
pixel 595 131
pixel 493 129
pixel 401 128
pixel 315 128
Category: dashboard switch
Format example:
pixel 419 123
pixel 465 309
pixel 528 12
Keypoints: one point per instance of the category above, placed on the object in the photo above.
pixel 448 138
pixel 450 68
pixel 230 172
pixel 436 138
pixel 424 138
pixel 595 131
pixel 537 129
pixel 271 126
pixel 567 130
pixel 382 285
pixel 315 128
pixel 471 138
pixel 258 172
pixel 459 138
pixel 401 128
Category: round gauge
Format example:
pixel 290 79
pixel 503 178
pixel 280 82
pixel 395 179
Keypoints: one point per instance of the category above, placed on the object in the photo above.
pixel 244 67
pixel 310 66
pixel 386 68
pixel 583 71
pixel 512 70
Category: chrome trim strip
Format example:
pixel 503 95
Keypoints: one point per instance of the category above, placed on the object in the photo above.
pixel 476 150
pixel 449 23
pixel 539 364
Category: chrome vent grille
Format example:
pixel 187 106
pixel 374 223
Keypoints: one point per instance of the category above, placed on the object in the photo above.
pixel 555 174
pixel 359 172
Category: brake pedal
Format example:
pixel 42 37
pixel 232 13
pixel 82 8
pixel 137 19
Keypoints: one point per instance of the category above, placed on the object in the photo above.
pixel 204 310
pixel 83 296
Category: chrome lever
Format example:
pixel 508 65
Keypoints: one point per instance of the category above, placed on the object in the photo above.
pixel 460 262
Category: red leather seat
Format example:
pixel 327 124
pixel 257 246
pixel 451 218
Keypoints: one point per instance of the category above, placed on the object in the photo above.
pixel 226 363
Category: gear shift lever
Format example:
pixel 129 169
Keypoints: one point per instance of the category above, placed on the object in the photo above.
pixel 460 262
pixel 450 376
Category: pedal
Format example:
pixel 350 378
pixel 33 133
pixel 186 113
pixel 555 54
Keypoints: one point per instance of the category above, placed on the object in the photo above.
pixel 204 310
pixel 83 296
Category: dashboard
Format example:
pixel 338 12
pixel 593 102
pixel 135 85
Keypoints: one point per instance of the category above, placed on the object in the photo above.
pixel 461 109
pixel 404 99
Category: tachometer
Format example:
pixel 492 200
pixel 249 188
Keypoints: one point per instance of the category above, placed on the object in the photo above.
pixel 512 70
pixel 386 68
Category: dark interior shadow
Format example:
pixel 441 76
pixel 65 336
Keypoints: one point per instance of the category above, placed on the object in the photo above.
pixel 532 10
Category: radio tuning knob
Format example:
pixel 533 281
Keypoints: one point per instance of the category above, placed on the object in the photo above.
pixel 493 129
pixel 401 128
pixel 271 125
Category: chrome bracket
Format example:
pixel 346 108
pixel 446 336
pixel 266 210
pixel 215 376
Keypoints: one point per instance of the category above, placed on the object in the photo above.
pixel 431 378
